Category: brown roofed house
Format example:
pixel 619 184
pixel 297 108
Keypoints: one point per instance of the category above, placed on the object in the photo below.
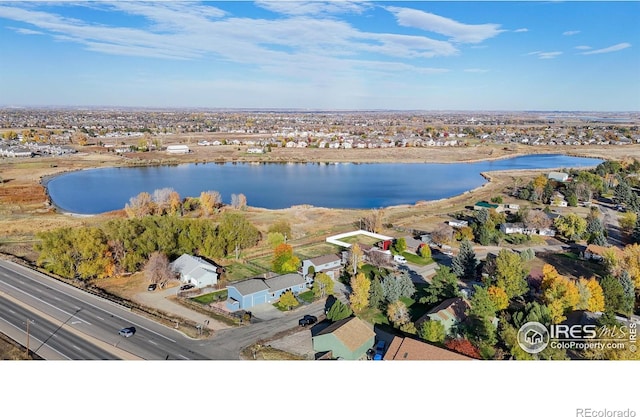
pixel 407 349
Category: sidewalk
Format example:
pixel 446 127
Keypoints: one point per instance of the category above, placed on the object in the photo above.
pixel 159 300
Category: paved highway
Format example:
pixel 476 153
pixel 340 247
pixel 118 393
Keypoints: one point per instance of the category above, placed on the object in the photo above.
pixel 89 316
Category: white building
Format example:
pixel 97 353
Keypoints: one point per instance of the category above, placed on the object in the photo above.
pixel 178 149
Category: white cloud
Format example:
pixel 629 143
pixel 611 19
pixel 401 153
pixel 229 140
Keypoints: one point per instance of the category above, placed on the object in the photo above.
pixel 476 70
pixel 459 32
pixel 571 32
pixel 521 30
pixel 544 55
pixel 299 45
pixel 24 31
pixel 613 48
pixel 313 8
pixel 583 47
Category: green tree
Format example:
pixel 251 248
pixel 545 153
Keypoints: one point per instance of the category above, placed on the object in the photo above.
pixel 284 261
pixel 396 286
pixel 464 263
pixel 425 252
pixel 444 285
pixel 322 285
pixel 595 232
pixel 376 293
pixel 614 296
pixel 511 273
pixel 274 239
pixel 628 288
pixel 627 221
pixel 237 232
pixel 338 311
pixel 400 245
pixel 288 300
pixel 571 226
pixel 432 331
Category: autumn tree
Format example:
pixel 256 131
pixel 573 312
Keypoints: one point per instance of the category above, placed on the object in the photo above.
pixel 175 203
pixel 442 234
pixel 444 285
pixel 338 311
pixel 210 201
pixel 631 262
pixel 373 222
pixel 559 293
pixel 281 226
pixel 398 313
pixel 161 200
pixel 140 205
pixel 322 285
pixel 537 219
pixel 288 300
pixel 465 262
pixel 356 258
pixel 571 226
pixel 627 221
pixel 359 298
pixel 432 331
pixel 591 296
pixel 425 252
pixel 284 261
pixel 499 297
pixel 158 269
pixel 238 201
pixel 464 347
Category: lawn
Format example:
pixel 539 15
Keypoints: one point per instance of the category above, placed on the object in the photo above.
pixel 569 264
pixel 307 296
pixel 313 250
pixel 360 239
pixel 238 271
pixel 211 297
pixel 416 259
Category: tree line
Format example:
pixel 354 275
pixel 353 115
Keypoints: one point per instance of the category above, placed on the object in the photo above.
pixel 125 245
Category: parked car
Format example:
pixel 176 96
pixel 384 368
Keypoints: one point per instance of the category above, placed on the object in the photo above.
pixel 307 320
pixel 152 287
pixel 127 331
pixel 379 350
pixel 399 259
pixel 186 287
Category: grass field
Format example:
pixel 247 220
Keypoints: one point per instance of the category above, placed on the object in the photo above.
pixel 360 239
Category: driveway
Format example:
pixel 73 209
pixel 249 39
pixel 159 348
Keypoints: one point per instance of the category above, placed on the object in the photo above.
pixel 161 300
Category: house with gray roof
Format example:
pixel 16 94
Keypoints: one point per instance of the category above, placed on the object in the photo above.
pixel 243 295
pixel 328 264
pixel 348 338
pixel 196 271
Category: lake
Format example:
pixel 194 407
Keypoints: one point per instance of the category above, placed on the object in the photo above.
pixel 281 185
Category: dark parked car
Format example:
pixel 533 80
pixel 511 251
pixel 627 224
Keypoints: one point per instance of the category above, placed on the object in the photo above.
pixel 307 320
pixel 186 287
pixel 152 287
pixel 127 331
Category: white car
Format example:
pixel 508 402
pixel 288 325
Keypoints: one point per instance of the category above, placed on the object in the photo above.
pixel 399 259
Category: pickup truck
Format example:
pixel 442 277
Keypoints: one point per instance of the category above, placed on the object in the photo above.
pixel 399 259
pixel 307 320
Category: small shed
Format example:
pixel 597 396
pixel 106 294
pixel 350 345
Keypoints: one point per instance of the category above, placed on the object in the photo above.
pixel 558 176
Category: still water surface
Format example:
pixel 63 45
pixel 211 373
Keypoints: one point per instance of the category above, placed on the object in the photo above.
pixel 274 186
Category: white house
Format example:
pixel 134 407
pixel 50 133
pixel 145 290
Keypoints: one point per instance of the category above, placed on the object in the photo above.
pixel 196 271
pixel 558 176
pixel 328 264
pixel 510 228
pixel 458 223
pixel 178 149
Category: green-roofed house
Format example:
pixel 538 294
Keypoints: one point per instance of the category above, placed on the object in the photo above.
pixel 450 312
pixel 348 338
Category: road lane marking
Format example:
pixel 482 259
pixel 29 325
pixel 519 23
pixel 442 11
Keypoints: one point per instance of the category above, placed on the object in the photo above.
pixel 31 337
pixel 78 299
pixel 184 357
pixel 152 342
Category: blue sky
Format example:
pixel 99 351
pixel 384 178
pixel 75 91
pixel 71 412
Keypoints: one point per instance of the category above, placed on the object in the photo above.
pixel 340 55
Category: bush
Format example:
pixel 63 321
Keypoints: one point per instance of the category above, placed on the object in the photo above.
pixel 497 199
